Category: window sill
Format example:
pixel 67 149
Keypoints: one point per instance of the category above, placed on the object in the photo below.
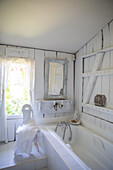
pixel 14 117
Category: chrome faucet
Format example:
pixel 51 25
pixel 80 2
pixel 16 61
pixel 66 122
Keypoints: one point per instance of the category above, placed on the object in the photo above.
pixel 56 106
pixel 60 124
pixel 70 138
pixel 67 124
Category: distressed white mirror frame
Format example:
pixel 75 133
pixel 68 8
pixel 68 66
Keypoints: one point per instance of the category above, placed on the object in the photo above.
pixel 48 96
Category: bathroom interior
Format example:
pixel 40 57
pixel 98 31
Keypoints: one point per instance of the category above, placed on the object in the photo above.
pixel 57 57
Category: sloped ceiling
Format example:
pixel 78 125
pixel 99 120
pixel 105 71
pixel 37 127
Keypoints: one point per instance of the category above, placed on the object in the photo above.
pixel 61 25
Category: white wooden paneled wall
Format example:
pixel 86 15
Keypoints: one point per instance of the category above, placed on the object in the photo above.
pixel 91 115
pixel 40 55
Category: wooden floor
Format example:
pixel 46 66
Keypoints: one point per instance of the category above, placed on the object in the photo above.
pixel 37 160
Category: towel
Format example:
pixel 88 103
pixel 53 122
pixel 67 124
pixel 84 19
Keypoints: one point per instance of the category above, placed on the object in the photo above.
pixel 25 135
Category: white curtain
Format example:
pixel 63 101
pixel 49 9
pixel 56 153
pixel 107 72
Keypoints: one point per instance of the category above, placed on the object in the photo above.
pixel 29 81
pixel 3 114
pixel 29 78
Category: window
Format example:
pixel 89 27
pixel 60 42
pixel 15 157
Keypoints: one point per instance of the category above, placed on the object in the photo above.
pixel 16 93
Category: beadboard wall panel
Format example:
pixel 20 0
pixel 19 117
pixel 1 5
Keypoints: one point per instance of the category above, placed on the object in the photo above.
pixel 50 54
pixel 91 116
pixel 39 56
pixel 39 74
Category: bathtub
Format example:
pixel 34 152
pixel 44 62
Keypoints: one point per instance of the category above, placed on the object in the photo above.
pixel 90 150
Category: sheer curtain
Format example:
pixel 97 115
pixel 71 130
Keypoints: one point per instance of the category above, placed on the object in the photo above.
pixel 3 114
pixel 29 82
pixel 29 66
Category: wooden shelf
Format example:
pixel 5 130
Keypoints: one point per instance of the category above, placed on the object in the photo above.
pixel 53 100
pixel 99 73
pixel 99 51
pixel 101 109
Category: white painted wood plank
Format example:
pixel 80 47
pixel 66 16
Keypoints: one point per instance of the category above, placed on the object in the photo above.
pixel 84 50
pixel 87 68
pixel 92 60
pixel 106 64
pixel 80 81
pixel 101 109
pixel 39 74
pixel 105 79
pixel 90 46
pixel 2 50
pixel 31 54
pixel 10 129
pixel 77 77
pixel 78 97
pixel 85 65
pixel 0 79
pixel 90 54
pixel 92 79
pixel 99 51
pixel 99 73
pixel 96 89
pixel 97 46
pixel 70 77
pixel 111 33
pixel 90 49
pixel 106 40
pixel 97 41
pixel 111 82
pixel 111 66
pixel 88 63
pixel 50 54
pixel 61 55
pixel 17 52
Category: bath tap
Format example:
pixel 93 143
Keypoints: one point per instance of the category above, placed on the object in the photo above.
pixel 67 124
pixel 60 124
pixel 64 132
pixel 56 127
pixel 70 138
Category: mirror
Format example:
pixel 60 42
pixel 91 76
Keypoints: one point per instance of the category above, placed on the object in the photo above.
pixel 55 78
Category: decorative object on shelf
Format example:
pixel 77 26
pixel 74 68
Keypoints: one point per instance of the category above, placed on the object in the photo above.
pixel 100 100
pixel 75 120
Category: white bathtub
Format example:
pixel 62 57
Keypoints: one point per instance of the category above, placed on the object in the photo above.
pixel 94 151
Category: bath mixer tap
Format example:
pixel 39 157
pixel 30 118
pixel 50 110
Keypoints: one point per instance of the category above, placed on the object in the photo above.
pixel 70 138
pixel 66 124
pixel 60 124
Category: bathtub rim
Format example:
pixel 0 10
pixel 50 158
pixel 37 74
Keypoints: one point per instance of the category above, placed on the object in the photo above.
pixel 90 132
pixel 59 139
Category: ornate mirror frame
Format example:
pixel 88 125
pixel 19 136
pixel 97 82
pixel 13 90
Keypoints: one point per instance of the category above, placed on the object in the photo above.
pixel 48 96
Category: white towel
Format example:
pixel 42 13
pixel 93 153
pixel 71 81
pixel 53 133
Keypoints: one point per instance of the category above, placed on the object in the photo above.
pixel 25 135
